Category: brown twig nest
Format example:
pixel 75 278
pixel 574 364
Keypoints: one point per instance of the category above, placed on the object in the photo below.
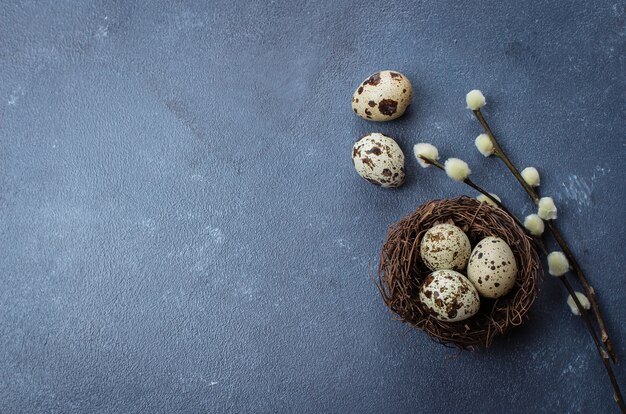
pixel 401 271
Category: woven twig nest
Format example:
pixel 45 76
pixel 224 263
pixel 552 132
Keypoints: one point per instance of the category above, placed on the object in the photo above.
pixel 401 271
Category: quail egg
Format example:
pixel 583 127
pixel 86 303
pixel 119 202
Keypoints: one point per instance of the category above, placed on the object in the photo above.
pixel 378 159
pixel 449 296
pixel 383 96
pixel 445 246
pixel 492 268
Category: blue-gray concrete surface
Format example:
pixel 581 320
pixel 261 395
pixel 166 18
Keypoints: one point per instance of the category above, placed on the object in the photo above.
pixel 182 230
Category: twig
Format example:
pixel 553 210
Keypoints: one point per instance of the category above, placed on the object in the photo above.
pixel 484 192
pixel 617 395
pixel 499 152
pixel 591 293
pixel 473 185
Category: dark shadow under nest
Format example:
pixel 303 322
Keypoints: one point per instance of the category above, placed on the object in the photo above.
pixel 401 271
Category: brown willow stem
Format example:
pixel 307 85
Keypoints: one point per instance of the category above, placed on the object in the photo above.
pixel 493 199
pixel 591 293
pixel 471 184
pixel 499 152
pixel 502 155
pixel 617 394
pixel 484 192
pixel 588 324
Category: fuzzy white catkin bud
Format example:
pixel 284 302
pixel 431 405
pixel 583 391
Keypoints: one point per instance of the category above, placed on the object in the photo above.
pixel 534 224
pixel 547 209
pixel 457 169
pixel 531 176
pixel 484 199
pixel 427 150
pixel 557 264
pixel 475 100
pixel 583 301
pixel 484 144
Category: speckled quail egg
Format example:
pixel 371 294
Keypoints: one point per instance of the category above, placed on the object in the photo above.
pixel 379 159
pixel 445 246
pixel 383 96
pixel 449 296
pixel 492 267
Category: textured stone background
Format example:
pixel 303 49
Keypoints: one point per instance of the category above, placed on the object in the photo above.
pixel 182 230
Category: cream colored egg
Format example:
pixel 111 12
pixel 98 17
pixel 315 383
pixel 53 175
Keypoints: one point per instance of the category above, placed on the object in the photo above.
pixel 383 96
pixel 445 246
pixel 492 267
pixel 379 159
pixel 449 296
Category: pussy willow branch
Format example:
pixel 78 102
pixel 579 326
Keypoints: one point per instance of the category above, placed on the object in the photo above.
pixel 476 187
pixel 591 294
pixel 617 394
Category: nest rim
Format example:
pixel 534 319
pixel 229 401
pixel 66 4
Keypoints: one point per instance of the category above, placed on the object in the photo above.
pixel 401 272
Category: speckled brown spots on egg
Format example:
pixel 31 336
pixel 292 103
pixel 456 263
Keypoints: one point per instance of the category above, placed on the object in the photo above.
pixel 495 273
pixel 387 106
pixel 374 150
pixel 373 80
pixel 449 296
pixel 368 162
pixel 445 247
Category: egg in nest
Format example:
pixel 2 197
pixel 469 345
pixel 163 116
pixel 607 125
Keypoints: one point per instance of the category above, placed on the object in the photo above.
pixel 449 296
pixel 492 268
pixel 445 246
